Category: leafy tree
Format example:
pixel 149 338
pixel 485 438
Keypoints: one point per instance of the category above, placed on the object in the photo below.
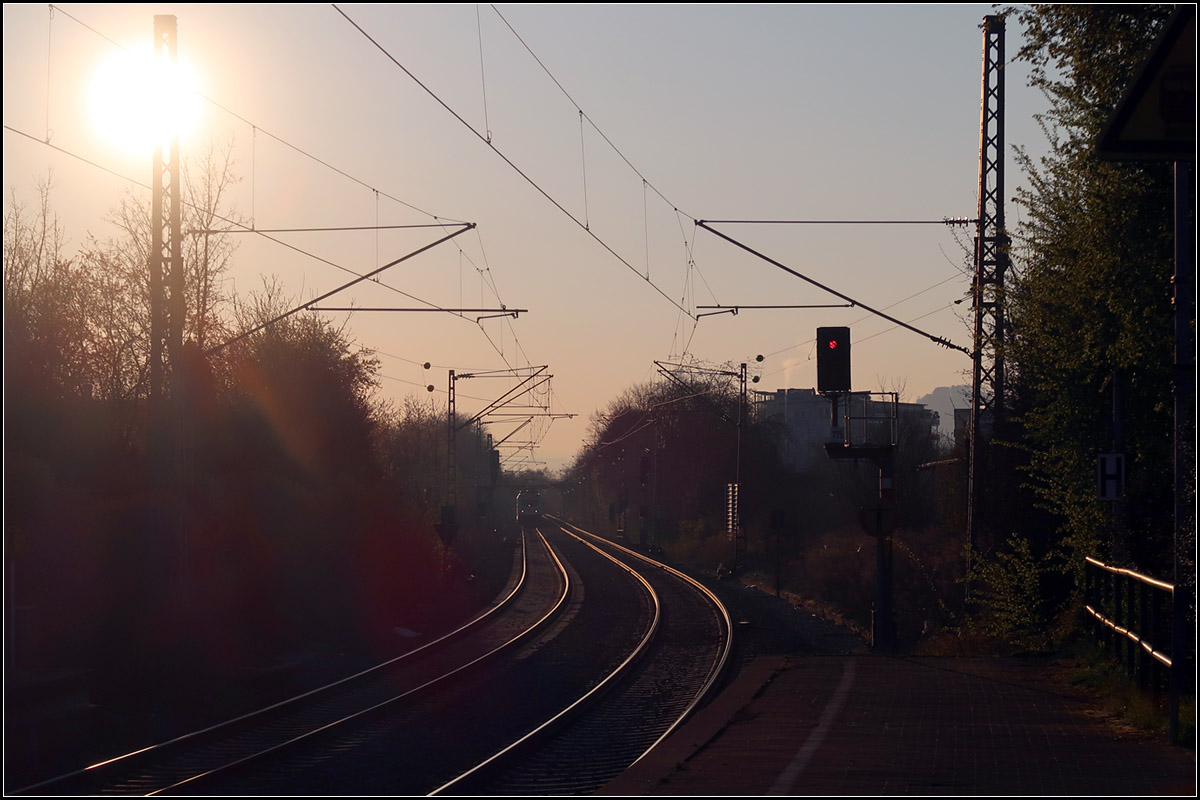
pixel 305 383
pixel 287 516
pixel 660 458
pixel 1090 301
pixel 410 441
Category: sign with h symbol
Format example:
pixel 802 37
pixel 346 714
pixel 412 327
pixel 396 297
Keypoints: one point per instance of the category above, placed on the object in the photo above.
pixel 1110 476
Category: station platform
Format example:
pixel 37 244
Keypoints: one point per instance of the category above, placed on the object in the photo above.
pixel 869 724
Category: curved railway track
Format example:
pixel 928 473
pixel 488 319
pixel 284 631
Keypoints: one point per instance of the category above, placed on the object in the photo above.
pixel 192 762
pixel 672 677
pixel 593 656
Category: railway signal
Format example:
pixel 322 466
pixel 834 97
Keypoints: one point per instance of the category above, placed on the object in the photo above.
pixel 833 359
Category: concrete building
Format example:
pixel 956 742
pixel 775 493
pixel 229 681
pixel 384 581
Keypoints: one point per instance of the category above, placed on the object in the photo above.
pixel 804 420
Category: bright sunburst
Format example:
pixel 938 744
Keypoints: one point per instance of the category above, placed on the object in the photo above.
pixel 138 99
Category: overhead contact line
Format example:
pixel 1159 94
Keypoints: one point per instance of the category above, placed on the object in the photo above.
pixel 487 141
pixel 466 226
pixel 935 339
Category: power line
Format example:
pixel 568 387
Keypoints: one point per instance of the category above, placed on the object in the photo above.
pixel 891 305
pixel 583 114
pixel 485 271
pixel 937 310
pixel 325 230
pixel 943 221
pixel 262 233
pixel 238 225
pixel 509 161
pixel 306 154
pixel 259 129
pixel 790 271
pixel 359 279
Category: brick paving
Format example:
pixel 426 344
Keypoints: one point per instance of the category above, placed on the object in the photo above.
pixel 866 724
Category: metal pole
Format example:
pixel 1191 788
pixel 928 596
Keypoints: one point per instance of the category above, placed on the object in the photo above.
pixel 1120 537
pixel 885 633
pixel 991 261
pixel 1184 432
pixel 166 261
pixel 449 510
pixel 163 28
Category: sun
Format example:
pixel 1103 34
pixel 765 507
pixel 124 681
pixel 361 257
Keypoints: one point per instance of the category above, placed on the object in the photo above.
pixel 139 100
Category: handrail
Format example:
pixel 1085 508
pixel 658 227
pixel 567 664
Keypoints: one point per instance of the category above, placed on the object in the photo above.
pixel 1132 613
pixel 1126 621
pixel 1136 575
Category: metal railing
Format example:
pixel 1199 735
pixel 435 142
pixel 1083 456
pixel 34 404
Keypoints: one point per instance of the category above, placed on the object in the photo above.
pixel 870 419
pixel 1132 616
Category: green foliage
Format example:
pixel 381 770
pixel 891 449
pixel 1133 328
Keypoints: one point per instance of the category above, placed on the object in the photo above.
pixel 1084 56
pixel 698 544
pixel 1090 299
pixel 1008 589
pixel 928 570
pixel 1098 672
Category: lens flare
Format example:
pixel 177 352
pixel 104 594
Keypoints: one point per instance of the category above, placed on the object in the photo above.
pixel 139 99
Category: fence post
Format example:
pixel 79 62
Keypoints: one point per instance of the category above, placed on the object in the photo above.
pixel 1114 614
pixel 1137 616
pixel 1152 624
pixel 1144 633
pixel 1127 591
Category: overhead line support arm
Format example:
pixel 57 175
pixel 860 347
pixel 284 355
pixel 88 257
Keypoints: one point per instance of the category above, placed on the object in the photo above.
pixel 466 226
pixel 834 292
pixel 509 395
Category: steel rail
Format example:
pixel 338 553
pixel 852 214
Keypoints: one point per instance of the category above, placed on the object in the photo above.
pixel 519 638
pixel 727 646
pixel 578 704
pixel 195 738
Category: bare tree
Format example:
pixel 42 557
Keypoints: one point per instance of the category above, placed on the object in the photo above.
pixel 207 254
pixel 119 278
pixel 45 301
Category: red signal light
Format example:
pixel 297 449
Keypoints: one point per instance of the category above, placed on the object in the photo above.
pixel 833 362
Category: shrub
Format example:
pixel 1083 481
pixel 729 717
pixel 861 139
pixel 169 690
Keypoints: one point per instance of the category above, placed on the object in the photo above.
pixel 1009 595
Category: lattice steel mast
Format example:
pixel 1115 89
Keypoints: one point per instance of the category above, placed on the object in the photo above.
pixel 166 261
pixel 991 263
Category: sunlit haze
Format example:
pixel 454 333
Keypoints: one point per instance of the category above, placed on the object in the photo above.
pixel 584 142
pixel 138 100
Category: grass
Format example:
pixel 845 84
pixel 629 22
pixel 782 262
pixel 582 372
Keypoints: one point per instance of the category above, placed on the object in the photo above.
pixel 1119 695
pixel 833 575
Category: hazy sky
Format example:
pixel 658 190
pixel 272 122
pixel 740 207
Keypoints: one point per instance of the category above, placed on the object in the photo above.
pixel 612 130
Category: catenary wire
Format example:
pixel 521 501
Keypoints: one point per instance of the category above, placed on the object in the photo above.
pixel 507 160
pixel 377 192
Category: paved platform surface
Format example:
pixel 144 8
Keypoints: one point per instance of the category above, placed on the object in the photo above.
pixel 848 722
pixel 870 725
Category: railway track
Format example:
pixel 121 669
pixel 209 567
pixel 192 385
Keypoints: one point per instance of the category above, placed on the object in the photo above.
pixel 678 671
pixel 592 657
pixel 197 760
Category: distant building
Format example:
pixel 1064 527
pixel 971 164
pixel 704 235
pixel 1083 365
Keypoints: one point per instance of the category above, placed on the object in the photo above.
pixel 962 424
pixel 803 417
